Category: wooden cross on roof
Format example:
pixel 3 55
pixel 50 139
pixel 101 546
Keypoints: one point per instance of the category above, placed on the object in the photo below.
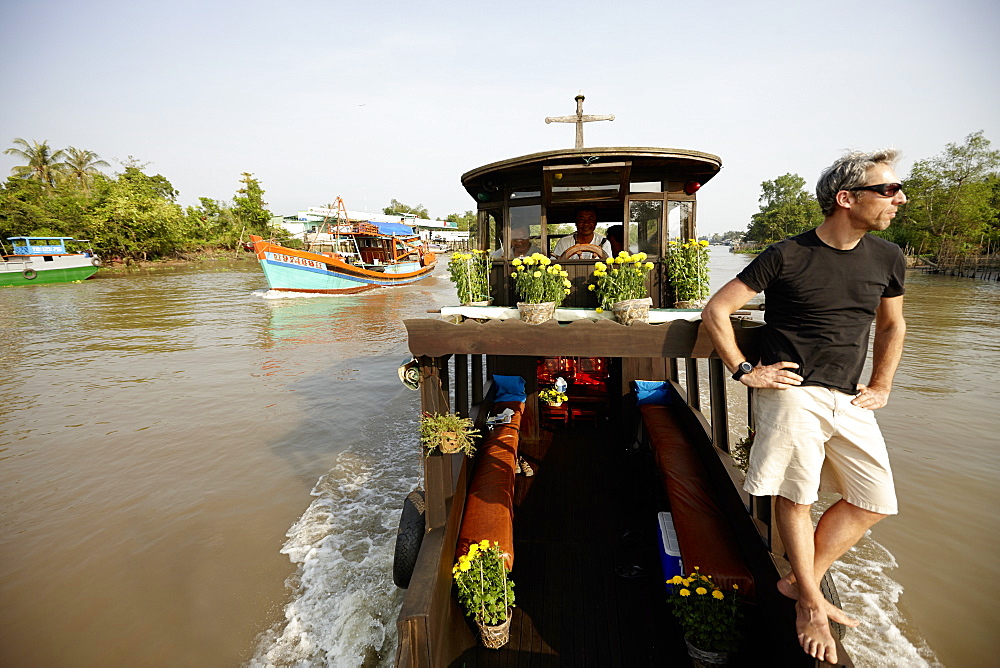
pixel 579 119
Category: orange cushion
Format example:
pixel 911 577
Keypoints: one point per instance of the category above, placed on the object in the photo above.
pixel 489 504
pixel 704 534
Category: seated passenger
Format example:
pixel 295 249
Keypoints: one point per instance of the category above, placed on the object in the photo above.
pixel 616 237
pixel 521 244
pixel 586 226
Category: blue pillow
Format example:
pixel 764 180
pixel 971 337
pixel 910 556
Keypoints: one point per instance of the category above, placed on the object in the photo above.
pixel 651 392
pixel 509 388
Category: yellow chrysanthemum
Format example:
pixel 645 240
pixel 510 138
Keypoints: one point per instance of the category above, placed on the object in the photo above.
pixel 673 243
pixel 566 291
pixel 641 256
pixel 703 242
pixel 736 586
pixel 564 274
pixel 649 265
pixel 717 594
pixel 464 566
pixel 557 267
pixel 516 262
pixel 483 544
pixel 600 310
pixel 684 592
pixel 676 580
pixel 600 266
pixel 701 591
pixel 591 287
pixel 537 274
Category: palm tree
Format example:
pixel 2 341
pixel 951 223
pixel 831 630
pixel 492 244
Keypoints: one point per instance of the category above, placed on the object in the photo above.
pixel 43 162
pixel 82 165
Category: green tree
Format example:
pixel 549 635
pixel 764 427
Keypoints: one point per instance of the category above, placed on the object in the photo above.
pixel 82 166
pixel 136 218
pixel 952 200
pixel 43 164
pixel 465 221
pixel 398 208
pixel 786 209
pixel 249 207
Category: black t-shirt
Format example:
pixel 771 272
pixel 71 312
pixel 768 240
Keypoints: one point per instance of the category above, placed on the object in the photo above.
pixel 820 303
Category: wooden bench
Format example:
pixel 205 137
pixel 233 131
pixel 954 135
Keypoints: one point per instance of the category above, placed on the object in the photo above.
pixel 705 534
pixel 489 504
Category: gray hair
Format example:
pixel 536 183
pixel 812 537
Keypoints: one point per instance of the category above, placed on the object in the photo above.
pixel 849 171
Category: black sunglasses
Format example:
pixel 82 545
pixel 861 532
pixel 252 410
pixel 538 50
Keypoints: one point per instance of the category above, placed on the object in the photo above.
pixel 883 189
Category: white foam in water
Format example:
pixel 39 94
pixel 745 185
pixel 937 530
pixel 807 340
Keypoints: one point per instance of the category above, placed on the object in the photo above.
pixel 345 606
pixel 867 593
pixel 284 294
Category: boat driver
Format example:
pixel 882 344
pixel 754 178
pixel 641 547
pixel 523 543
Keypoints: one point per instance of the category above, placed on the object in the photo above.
pixel 586 233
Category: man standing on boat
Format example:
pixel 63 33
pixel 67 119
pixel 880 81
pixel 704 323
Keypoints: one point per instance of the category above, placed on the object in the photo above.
pixel 586 233
pixel 815 429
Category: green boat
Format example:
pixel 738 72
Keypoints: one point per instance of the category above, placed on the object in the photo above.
pixel 46 260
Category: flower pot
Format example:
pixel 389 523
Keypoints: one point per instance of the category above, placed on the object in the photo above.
pixel 632 310
pixel 480 303
pixel 495 637
pixel 686 303
pixel 536 314
pixel 554 404
pixel 448 442
pixel 704 659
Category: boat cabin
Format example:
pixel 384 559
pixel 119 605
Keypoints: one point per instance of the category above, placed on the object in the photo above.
pixel 581 496
pixel 44 246
pixel 650 193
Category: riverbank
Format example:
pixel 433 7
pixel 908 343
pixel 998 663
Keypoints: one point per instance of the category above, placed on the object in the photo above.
pixel 189 258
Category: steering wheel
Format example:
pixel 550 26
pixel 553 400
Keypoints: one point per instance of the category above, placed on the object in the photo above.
pixel 579 249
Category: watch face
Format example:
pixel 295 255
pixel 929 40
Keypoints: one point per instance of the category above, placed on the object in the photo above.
pixel 746 367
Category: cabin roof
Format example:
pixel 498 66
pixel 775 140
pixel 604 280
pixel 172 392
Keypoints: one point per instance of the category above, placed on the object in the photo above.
pixel 685 164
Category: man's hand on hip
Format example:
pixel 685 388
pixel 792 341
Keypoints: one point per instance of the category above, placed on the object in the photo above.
pixel 775 376
pixel 871 397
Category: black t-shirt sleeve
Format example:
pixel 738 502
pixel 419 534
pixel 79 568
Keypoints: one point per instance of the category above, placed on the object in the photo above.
pixel 896 276
pixel 763 270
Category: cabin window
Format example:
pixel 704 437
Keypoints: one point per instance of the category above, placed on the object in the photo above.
pixel 680 220
pixel 644 226
pixel 645 187
pixel 566 184
pixel 525 230
pixel 524 194
pixel 492 224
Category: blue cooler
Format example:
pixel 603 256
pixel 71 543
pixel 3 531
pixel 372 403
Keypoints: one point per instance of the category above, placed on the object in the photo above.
pixel 670 549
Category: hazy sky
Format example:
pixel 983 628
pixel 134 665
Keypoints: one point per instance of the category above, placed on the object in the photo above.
pixel 382 99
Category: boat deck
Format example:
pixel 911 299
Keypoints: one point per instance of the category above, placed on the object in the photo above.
pixel 587 574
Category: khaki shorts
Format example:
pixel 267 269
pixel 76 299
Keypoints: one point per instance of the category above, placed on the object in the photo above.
pixel 811 439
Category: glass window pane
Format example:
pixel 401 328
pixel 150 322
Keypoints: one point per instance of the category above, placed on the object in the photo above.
pixel 645 187
pixel 644 226
pixel 679 219
pixel 494 228
pixel 525 230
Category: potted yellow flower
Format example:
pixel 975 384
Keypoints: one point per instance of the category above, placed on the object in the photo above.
pixel 687 271
pixel 541 285
pixel 621 287
pixel 553 397
pixel 448 433
pixel 486 591
pixel 709 616
pixel 470 272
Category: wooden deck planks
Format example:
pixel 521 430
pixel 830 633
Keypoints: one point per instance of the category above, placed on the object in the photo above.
pixel 575 531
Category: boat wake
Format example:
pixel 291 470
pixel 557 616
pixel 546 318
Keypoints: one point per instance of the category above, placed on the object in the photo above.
pixel 885 639
pixel 345 603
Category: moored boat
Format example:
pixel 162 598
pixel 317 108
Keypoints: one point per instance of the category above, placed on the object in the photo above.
pixel 46 260
pixel 583 529
pixel 360 256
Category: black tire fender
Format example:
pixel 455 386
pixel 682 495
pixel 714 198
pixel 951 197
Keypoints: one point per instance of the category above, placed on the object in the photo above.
pixel 29 274
pixel 408 538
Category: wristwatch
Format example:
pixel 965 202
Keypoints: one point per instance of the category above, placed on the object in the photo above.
pixel 743 368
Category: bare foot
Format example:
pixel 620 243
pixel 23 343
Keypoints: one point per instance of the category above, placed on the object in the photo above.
pixel 791 590
pixel 813 629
